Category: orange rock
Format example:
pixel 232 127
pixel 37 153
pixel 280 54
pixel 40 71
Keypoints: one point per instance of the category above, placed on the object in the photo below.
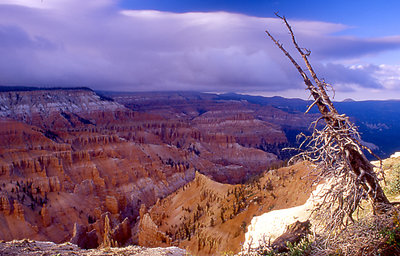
pixel 85 188
pixel 149 235
pixel 112 204
pixel 107 238
pixel 5 205
pixel 18 211
pixel 46 218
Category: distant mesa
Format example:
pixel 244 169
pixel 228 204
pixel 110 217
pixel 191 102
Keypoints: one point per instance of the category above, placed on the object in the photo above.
pixel 32 88
pixel 348 100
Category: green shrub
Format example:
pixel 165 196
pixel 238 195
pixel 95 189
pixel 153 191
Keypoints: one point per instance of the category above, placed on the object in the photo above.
pixel 299 249
pixel 394 182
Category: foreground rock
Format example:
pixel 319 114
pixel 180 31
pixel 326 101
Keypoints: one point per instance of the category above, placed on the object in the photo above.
pixel 29 247
pixel 292 235
pixel 271 225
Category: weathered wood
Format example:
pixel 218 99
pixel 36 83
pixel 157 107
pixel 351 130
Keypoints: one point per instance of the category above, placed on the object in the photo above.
pixel 336 149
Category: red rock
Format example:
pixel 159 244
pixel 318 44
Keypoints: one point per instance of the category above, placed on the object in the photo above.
pixel 18 211
pixel 46 218
pixel 82 156
pixel 5 205
pixel 149 235
pixel 112 204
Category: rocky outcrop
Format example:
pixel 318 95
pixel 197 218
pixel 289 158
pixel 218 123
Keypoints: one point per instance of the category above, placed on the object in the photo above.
pixel 209 218
pixel 18 211
pixel 55 187
pixel 108 240
pixel 149 233
pixel 5 205
pixel 122 233
pixel 293 234
pixel 112 233
pixel 84 239
pixel 30 247
pixel 112 204
pixel 85 188
pixel 46 218
pixel 272 225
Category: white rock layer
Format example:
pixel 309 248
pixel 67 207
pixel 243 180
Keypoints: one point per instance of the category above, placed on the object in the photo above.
pixel 272 224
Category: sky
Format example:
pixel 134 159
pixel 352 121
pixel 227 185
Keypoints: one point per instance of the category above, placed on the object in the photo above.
pixel 193 45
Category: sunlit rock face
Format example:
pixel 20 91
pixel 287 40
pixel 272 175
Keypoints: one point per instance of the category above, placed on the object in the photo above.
pixel 270 225
pixel 209 218
pixel 72 157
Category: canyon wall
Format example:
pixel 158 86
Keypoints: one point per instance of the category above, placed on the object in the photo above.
pixel 76 165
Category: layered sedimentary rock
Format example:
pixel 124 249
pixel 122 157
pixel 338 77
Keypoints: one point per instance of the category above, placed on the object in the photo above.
pixel 260 126
pixel 56 108
pixel 71 157
pixel 53 187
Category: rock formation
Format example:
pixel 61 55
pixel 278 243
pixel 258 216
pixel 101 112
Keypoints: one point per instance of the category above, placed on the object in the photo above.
pixel 209 218
pixel 71 157
pixel 30 247
pixel 294 233
pixel 84 239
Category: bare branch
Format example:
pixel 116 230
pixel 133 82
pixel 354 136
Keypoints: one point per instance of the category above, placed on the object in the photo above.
pixel 337 152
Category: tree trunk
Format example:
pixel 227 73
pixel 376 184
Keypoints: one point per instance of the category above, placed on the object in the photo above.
pixel 364 170
pixel 350 148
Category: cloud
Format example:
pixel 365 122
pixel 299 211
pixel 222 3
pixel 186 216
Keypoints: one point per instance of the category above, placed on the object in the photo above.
pixel 387 75
pixel 13 37
pixel 331 48
pixel 96 44
pixel 345 77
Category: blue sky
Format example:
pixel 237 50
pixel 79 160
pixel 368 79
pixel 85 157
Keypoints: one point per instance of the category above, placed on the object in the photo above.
pixel 211 46
pixel 366 17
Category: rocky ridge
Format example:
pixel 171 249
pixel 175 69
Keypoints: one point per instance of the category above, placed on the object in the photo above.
pixel 210 218
pixel 43 108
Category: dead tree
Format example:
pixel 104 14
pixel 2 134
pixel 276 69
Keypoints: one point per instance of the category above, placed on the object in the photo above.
pixel 337 151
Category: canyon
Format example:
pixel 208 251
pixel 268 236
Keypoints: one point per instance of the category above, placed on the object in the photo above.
pixel 182 169
pixel 76 165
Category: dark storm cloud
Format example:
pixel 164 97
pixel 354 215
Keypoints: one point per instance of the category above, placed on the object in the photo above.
pixel 13 37
pixel 350 47
pixel 339 74
pixel 93 43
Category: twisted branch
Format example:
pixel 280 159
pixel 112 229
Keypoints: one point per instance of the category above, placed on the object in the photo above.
pixel 337 152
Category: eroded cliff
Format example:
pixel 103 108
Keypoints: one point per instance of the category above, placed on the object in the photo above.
pixel 73 163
